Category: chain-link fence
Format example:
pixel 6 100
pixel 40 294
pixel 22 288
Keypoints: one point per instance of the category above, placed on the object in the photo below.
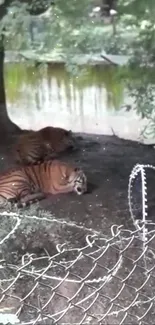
pixel 104 279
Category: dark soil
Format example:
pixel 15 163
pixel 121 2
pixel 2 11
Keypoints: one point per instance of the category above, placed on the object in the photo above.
pixel 107 162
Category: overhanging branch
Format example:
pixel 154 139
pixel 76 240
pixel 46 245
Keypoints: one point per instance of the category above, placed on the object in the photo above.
pixel 35 7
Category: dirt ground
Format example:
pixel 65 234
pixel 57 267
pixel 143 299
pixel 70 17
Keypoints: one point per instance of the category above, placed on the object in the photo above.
pixel 107 162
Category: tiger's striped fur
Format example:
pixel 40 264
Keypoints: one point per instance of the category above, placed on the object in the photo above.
pixel 36 181
pixel 34 146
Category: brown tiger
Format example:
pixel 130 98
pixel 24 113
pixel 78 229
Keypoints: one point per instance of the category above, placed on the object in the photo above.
pixel 34 146
pixel 34 182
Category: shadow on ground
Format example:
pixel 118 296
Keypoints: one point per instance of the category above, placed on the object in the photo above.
pixel 107 161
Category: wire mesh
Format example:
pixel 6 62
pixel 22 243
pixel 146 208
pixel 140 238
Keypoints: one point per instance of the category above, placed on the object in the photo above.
pixel 104 279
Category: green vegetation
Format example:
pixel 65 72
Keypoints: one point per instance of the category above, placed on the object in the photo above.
pixel 142 84
pixel 72 27
pixel 17 75
pixel 69 27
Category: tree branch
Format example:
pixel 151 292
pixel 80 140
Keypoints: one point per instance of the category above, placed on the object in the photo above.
pixel 35 7
pixel 3 8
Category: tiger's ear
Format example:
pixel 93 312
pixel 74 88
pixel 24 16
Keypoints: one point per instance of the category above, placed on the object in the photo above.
pixel 69 132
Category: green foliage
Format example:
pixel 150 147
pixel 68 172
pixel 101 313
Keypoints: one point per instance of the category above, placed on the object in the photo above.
pixel 140 16
pixel 140 9
pixel 68 20
pixel 69 28
pixel 143 93
pixel 72 12
pixel 14 25
pixel 37 7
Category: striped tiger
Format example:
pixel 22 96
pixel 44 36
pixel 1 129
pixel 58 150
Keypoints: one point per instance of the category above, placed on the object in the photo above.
pixel 35 146
pixel 34 182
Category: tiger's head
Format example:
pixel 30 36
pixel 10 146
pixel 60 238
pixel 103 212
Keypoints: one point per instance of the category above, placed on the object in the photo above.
pixel 65 141
pixel 75 178
pixel 80 181
pixel 58 141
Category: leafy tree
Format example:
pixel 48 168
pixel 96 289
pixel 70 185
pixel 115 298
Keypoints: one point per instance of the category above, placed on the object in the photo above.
pixel 140 16
pixel 20 8
pixel 71 27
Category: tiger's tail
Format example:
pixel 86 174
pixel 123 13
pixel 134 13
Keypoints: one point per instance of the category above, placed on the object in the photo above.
pixel 30 199
pixel 22 202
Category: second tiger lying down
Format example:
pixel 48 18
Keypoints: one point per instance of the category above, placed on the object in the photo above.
pixel 33 146
pixel 33 182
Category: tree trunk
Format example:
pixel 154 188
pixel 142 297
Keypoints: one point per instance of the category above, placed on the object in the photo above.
pixel 106 6
pixel 7 128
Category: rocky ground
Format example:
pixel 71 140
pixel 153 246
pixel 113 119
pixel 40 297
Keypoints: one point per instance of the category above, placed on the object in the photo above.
pixel 69 219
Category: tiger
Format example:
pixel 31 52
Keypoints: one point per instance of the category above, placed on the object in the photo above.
pixel 34 182
pixel 35 146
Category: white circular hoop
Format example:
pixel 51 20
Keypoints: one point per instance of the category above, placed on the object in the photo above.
pixel 139 168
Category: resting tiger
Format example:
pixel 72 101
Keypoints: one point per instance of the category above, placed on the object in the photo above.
pixel 34 146
pixel 34 182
